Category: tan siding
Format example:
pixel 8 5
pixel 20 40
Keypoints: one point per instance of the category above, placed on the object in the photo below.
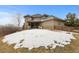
pixel 48 25
pixel 51 24
pixel 28 19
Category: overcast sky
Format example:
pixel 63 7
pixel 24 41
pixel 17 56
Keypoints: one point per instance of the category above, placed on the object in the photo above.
pixel 8 12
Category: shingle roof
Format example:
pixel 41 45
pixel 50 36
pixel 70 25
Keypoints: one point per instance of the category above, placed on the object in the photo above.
pixel 47 18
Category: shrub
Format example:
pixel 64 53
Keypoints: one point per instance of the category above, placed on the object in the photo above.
pixel 8 29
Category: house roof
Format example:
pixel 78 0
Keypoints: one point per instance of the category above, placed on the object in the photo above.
pixel 36 15
pixel 27 16
pixel 42 20
pixel 54 19
pixel 57 19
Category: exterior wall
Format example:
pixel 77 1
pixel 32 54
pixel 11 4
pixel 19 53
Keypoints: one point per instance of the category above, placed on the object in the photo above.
pixel 25 26
pixel 37 19
pixel 51 24
pixel 48 25
pixel 28 19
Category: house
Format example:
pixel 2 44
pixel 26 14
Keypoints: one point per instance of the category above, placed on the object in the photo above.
pixel 42 22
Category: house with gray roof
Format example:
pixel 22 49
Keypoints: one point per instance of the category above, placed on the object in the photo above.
pixel 42 22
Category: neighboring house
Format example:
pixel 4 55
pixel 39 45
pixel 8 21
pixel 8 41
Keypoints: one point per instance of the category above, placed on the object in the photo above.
pixel 42 22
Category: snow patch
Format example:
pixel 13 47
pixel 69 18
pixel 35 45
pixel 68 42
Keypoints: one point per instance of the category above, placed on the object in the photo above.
pixel 39 37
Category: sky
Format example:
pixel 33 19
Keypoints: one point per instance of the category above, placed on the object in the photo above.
pixel 8 12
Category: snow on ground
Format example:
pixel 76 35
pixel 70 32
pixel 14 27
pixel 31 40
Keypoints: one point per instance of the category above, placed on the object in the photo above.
pixel 39 37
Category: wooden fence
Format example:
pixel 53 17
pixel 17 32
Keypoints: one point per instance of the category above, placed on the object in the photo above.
pixel 65 28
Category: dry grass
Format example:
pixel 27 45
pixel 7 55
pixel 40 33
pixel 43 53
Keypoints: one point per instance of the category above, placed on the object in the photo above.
pixel 5 48
pixel 71 48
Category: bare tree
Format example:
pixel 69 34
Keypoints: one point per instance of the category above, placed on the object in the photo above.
pixel 18 16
